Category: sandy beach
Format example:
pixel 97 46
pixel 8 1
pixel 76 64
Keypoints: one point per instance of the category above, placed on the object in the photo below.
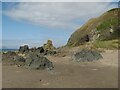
pixel 66 74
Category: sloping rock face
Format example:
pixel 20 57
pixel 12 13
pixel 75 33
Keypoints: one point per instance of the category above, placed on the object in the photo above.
pixel 23 49
pixel 104 27
pixel 87 55
pixel 37 61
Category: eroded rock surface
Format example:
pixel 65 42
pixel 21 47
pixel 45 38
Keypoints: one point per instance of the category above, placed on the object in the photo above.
pixel 38 61
pixel 87 55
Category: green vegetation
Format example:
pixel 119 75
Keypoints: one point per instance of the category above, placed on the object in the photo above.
pixel 103 29
pixel 111 44
pixel 108 24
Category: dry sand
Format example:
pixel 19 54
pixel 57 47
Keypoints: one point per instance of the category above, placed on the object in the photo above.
pixel 66 74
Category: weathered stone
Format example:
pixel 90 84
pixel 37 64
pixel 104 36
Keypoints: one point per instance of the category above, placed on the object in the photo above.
pixel 19 58
pixel 40 50
pixel 19 61
pixel 37 61
pixel 48 45
pixel 23 49
pixel 87 55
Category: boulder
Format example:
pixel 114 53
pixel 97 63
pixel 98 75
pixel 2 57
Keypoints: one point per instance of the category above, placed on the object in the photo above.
pixel 23 49
pixel 37 61
pixel 87 55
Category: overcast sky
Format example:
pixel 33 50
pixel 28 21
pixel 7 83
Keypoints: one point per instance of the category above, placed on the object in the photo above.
pixel 33 23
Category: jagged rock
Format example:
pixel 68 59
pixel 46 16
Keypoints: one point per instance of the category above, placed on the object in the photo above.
pixel 23 49
pixel 48 45
pixel 49 49
pixel 87 55
pixel 37 61
pixel 40 50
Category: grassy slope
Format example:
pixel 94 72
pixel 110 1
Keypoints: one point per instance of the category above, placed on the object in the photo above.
pixel 101 24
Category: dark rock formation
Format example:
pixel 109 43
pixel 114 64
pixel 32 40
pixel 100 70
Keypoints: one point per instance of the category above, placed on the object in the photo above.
pixel 31 59
pixel 40 50
pixel 23 49
pixel 46 49
pixel 87 55
pixel 37 61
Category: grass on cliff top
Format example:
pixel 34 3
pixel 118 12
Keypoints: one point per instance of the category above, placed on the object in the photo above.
pixel 106 45
pixel 111 44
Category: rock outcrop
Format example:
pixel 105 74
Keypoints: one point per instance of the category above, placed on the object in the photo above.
pixel 23 49
pixel 49 49
pixel 87 55
pixel 31 60
pixel 37 61
pixel 48 45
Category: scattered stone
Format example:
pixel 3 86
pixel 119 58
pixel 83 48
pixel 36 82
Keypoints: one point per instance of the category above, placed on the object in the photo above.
pixel 87 55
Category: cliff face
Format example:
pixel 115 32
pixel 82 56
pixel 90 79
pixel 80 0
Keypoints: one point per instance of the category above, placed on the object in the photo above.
pixel 104 27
